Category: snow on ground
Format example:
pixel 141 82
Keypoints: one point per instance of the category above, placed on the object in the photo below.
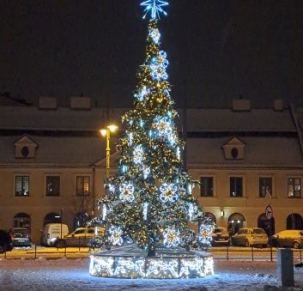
pixel 72 274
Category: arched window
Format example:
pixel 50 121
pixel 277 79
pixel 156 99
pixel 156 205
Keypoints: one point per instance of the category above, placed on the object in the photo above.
pixel 235 222
pixel 210 215
pixel 294 221
pixel 22 219
pixel 52 217
pixel 267 224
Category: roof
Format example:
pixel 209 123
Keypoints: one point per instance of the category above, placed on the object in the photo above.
pixel 61 137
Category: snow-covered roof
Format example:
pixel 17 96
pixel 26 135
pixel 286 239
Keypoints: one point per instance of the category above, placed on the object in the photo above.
pixel 61 135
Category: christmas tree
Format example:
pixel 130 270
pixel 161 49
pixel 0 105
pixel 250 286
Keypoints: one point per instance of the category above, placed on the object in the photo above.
pixel 149 201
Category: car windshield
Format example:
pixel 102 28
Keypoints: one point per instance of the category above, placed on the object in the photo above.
pixel 20 231
pixel 258 231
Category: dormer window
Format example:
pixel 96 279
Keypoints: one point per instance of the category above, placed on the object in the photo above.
pixel 234 149
pixel 25 148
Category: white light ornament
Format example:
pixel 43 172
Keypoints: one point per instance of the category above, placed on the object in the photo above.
pixel 178 153
pixel 144 91
pixel 205 234
pixel 146 171
pixel 155 35
pixel 130 138
pixel 138 154
pixel 171 237
pixel 168 193
pixel 190 211
pixel 163 125
pixel 145 210
pixel 116 235
pixel 127 192
pixel 111 188
pixel 104 212
pixel 154 7
pixel 158 67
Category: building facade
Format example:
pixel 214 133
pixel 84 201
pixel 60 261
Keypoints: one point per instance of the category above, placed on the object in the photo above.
pixel 249 162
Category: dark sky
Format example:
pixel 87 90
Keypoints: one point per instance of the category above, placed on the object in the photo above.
pixel 218 50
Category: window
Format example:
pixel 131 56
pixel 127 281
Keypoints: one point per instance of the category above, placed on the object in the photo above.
pixel 236 187
pixel 265 186
pixel 206 187
pixel 52 185
pixel 83 185
pixel 22 185
pixel 294 187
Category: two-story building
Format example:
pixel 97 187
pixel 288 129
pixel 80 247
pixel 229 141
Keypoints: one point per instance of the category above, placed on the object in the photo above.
pixel 52 163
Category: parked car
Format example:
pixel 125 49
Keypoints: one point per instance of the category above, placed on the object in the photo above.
pixel 220 236
pixel 5 242
pixel 20 237
pixel 78 238
pixel 250 237
pixel 288 239
pixel 53 231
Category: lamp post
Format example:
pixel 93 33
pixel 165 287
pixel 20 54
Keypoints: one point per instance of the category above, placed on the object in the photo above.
pixel 106 133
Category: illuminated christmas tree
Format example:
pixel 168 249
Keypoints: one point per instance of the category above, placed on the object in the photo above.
pixel 149 201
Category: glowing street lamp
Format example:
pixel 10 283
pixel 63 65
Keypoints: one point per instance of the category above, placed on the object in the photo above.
pixel 106 133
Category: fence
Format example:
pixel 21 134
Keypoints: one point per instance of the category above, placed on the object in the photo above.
pixel 228 253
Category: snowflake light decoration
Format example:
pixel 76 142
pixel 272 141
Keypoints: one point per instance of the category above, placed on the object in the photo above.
pixel 116 235
pixel 155 35
pixel 205 234
pixel 171 237
pixel 163 125
pixel 158 66
pixel 168 193
pixel 127 192
pixel 154 7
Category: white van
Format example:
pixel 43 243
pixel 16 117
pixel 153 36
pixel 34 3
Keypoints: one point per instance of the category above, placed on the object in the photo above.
pixel 51 232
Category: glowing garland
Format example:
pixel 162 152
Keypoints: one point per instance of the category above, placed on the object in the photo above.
pixel 151 268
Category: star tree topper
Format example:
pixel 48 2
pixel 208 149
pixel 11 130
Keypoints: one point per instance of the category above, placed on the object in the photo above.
pixel 154 7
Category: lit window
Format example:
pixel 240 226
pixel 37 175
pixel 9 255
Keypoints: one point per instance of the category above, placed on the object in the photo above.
pixel 52 185
pixel 236 187
pixel 265 186
pixel 22 186
pixel 83 185
pixel 294 187
pixel 206 187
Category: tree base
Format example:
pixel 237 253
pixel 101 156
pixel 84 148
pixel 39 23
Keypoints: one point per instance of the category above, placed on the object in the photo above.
pixel 133 263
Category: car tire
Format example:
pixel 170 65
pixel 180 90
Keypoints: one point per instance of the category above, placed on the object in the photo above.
pixel 60 244
pixel 296 245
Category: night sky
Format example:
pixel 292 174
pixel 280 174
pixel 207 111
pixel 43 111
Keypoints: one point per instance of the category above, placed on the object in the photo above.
pixel 218 50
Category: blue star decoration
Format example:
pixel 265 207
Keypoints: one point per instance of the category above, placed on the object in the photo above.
pixel 154 7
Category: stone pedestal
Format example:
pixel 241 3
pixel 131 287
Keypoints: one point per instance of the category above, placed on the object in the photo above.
pixel 285 267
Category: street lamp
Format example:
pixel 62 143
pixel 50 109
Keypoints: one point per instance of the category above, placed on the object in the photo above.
pixel 106 133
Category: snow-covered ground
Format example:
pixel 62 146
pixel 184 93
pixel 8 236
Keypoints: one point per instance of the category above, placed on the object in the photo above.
pixel 72 274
